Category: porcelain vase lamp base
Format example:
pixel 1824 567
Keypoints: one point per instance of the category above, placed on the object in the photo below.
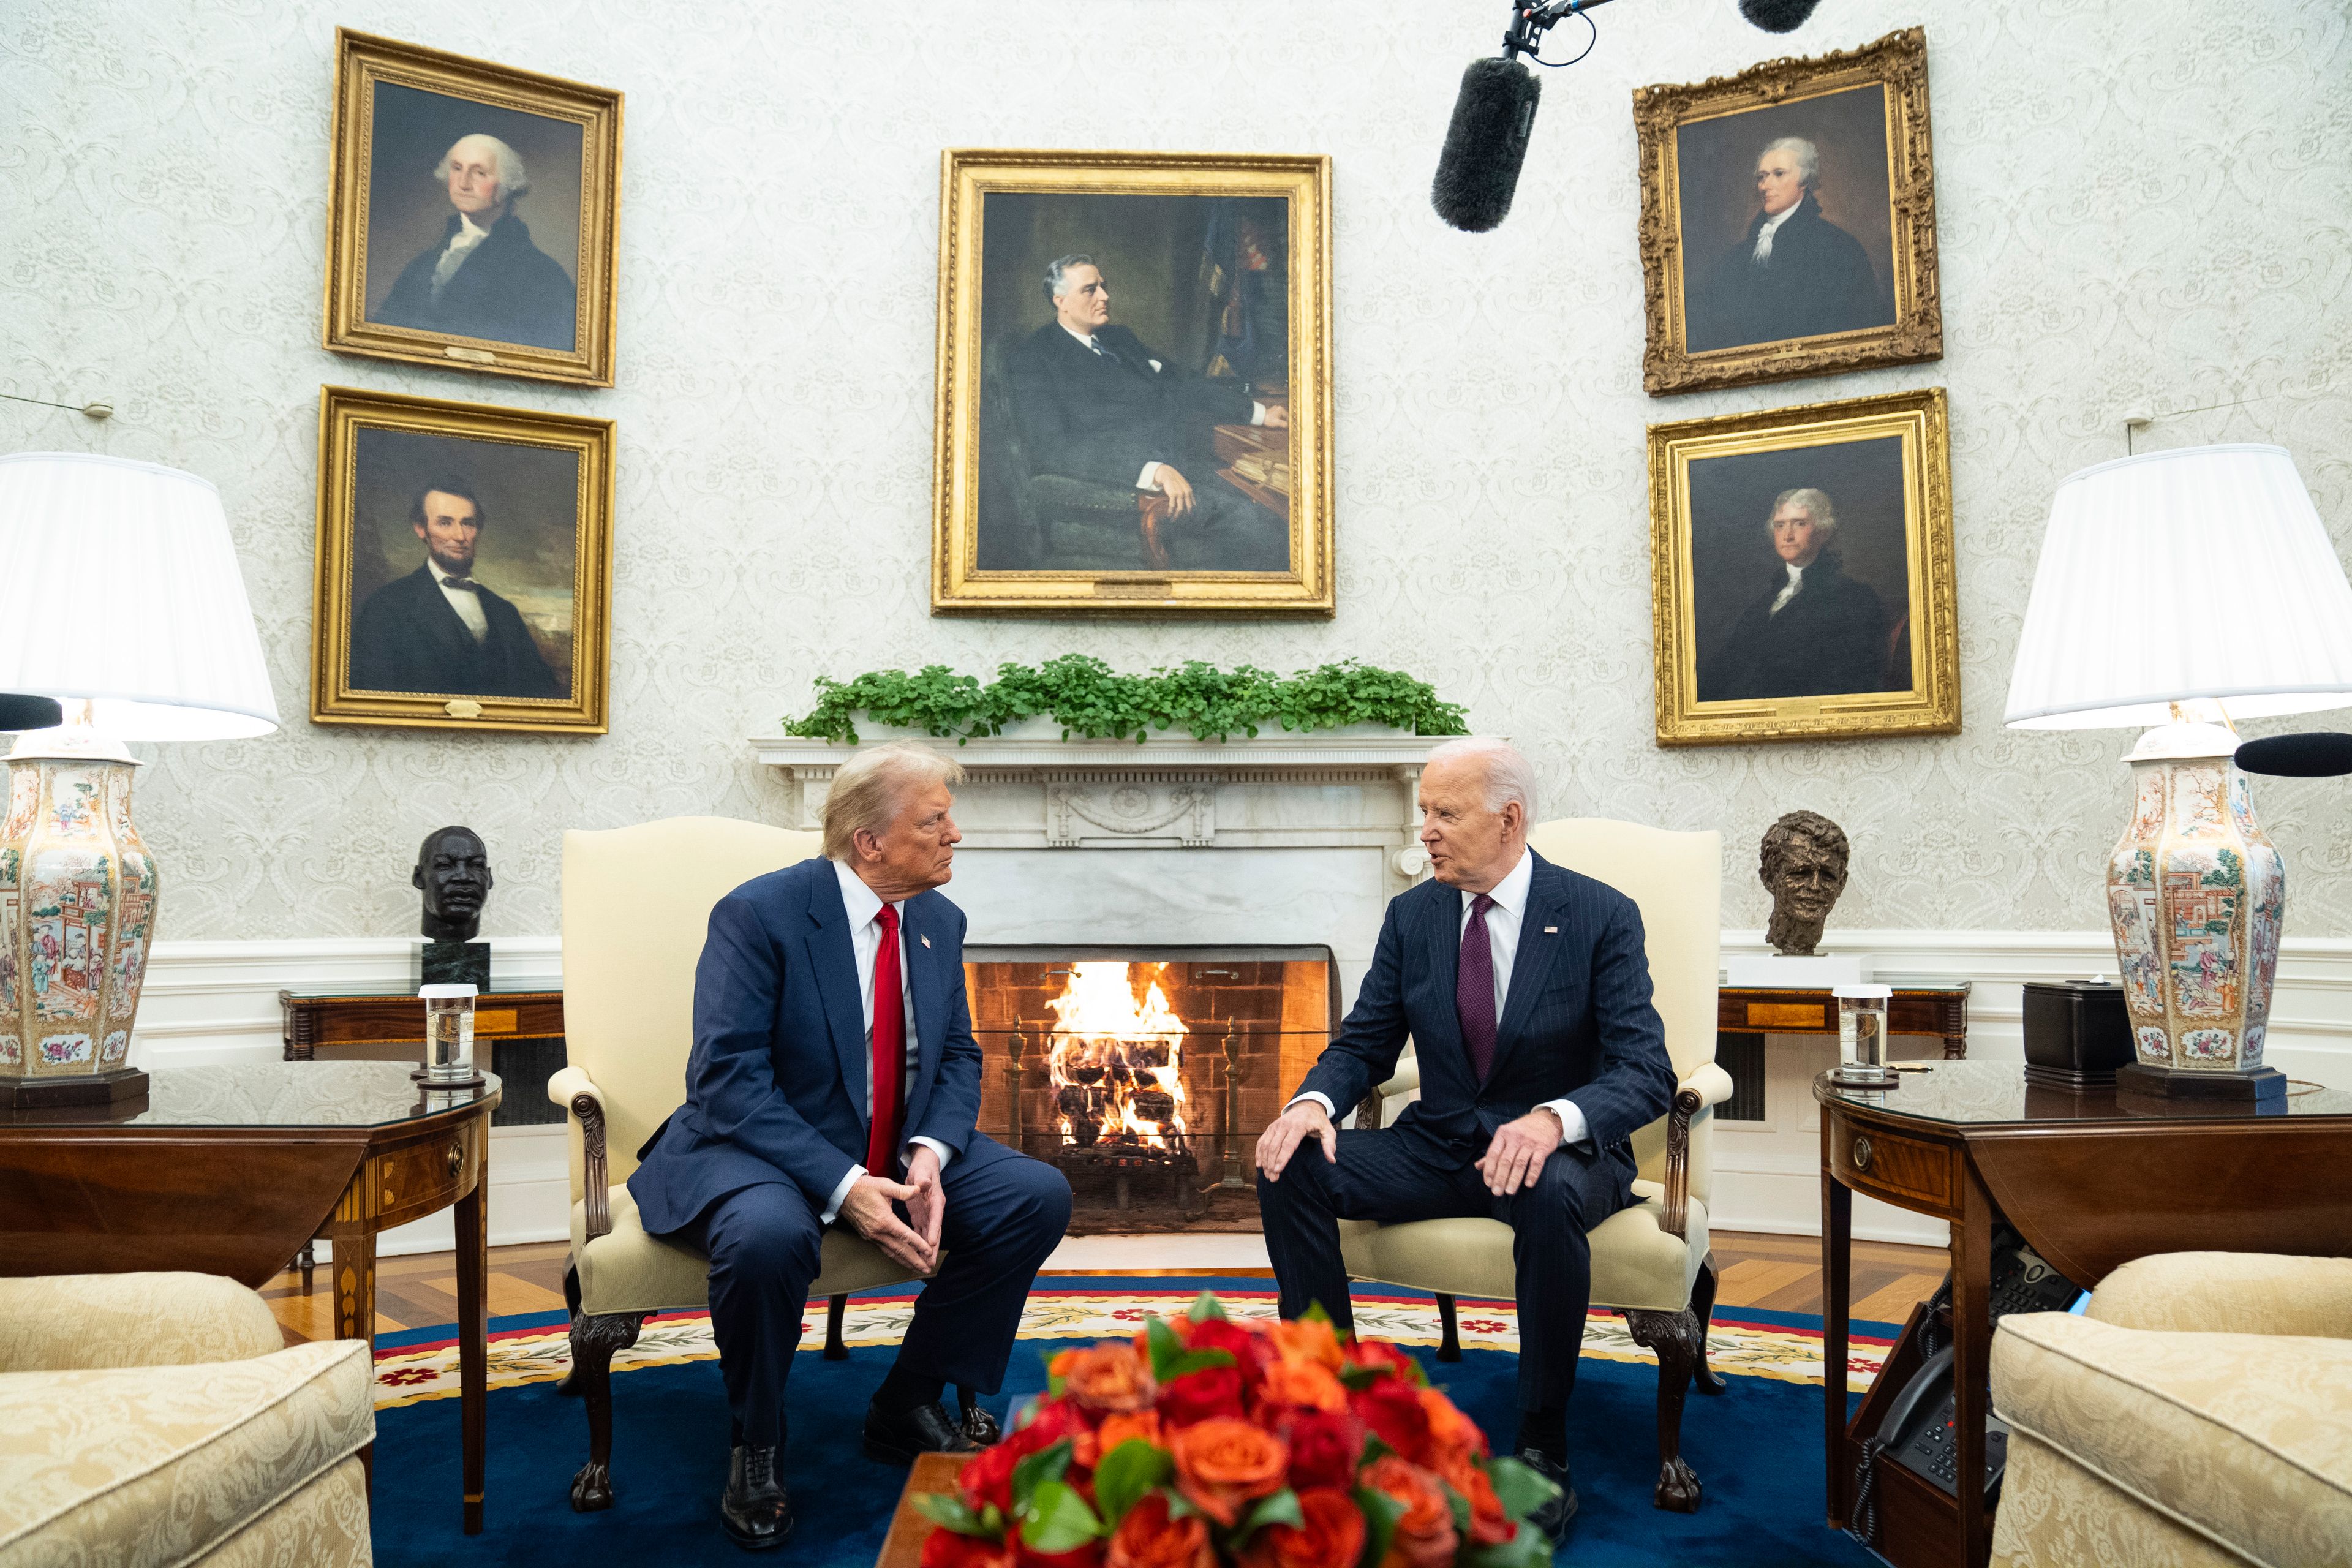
pixel 2197 894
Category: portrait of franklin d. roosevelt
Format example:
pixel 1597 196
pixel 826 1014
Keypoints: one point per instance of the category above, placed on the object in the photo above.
pixel 462 567
pixel 1134 412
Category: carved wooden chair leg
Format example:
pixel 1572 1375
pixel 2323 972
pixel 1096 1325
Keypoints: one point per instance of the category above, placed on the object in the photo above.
pixel 836 1347
pixel 1709 1380
pixel 593 1343
pixel 1450 1349
pixel 1673 1337
pixel 569 1385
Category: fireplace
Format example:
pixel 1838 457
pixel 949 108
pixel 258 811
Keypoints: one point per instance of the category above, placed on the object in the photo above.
pixel 1146 1073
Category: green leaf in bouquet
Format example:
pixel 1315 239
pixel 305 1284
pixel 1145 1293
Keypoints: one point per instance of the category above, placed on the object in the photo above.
pixel 1281 1508
pixel 1381 1512
pixel 1126 1473
pixel 1374 1447
pixel 1355 1374
pixel 1205 1307
pixel 1059 1520
pixel 1461 1507
pixel 949 1512
pixel 1519 1489
pixel 1190 1362
pixel 1178 1505
pixel 1528 1548
pixel 1045 1464
pixel 1314 1314
pixel 1160 1335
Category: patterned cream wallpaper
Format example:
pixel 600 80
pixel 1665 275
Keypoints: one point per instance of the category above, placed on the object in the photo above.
pixel 2144 206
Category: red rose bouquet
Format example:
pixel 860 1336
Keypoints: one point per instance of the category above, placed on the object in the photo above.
pixel 1206 1443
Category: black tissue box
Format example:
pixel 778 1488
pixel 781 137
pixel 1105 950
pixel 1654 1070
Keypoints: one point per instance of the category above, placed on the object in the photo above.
pixel 2076 1032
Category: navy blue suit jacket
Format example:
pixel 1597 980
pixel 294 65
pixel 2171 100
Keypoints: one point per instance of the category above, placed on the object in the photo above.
pixel 775 1090
pixel 1576 1022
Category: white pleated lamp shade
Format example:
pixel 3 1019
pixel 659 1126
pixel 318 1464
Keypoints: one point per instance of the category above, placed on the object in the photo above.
pixel 2203 571
pixel 118 584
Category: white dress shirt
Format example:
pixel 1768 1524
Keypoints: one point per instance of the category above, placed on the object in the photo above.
pixel 465 601
pixel 1795 586
pixel 866 941
pixel 461 245
pixel 1148 479
pixel 1503 918
pixel 1771 226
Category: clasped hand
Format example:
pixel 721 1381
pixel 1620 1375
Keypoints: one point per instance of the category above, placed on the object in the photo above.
pixel 916 1247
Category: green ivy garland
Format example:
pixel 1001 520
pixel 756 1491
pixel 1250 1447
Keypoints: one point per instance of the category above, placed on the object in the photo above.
pixel 1091 700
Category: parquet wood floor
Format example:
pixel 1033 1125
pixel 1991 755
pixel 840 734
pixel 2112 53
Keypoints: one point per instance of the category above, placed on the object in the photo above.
pixel 1778 1273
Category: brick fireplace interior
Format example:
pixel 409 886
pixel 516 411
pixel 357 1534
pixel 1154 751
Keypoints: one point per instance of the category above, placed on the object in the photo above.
pixel 1146 1073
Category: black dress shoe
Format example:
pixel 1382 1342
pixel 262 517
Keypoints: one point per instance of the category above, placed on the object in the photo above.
pixel 1553 1517
pixel 755 1509
pixel 982 1428
pixel 924 1429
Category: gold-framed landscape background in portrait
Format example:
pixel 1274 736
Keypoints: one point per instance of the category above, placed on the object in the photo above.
pixel 542 485
pixel 1865 109
pixel 397 108
pixel 1886 660
pixel 1191 245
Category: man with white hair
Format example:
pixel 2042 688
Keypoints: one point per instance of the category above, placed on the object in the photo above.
pixel 1811 630
pixel 485 279
pixel 1794 274
pixel 1526 990
pixel 834 1078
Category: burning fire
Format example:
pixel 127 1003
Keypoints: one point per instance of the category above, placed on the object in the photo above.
pixel 1117 1062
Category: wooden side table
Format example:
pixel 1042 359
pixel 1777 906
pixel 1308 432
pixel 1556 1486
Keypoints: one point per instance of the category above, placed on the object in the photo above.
pixel 225 1170
pixel 1938 1010
pixel 2091 1181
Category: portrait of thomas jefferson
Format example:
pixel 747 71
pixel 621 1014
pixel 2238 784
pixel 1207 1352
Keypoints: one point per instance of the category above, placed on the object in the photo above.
pixel 483 276
pixel 1810 630
pixel 439 629
pixel 1793 273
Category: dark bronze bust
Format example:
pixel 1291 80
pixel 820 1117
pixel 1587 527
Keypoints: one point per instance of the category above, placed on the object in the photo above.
pixel 453 868
pixel 1803 864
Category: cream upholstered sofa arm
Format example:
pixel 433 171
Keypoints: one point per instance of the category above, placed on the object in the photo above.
pixel 1710 1083
pixel 2244 1292
pixel 63 1323
pixel 583 1106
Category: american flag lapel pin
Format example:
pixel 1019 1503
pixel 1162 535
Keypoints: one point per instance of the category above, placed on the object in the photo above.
pixel 1548 931
pixel 927 942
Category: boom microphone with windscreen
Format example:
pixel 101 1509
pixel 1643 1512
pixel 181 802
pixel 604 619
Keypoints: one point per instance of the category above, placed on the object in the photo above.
pixel 1485 144
pixel 22 712
pixel 2315 755
pixel 1777 16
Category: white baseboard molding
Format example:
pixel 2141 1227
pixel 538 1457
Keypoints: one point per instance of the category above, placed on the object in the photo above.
pixel 217 1001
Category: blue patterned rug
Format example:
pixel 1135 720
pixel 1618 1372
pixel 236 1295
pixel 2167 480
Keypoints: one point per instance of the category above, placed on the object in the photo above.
pixel 1756 1449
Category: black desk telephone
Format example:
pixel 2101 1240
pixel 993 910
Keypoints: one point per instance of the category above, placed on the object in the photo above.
pixel 1918 1432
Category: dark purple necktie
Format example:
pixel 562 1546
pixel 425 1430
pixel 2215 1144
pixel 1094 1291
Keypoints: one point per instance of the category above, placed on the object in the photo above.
pixel 1474 988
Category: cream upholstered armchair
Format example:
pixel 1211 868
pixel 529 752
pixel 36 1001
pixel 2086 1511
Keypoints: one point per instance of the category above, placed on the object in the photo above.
pixel 636 905
pixel 1651 1261
pixel 2142 1432
pixel 154 1418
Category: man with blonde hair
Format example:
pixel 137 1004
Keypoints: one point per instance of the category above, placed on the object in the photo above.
pixel 1526 990
pixel 834 1078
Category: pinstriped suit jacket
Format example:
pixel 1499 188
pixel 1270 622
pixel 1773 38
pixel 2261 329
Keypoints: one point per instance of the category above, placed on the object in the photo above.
pixel 1577 1023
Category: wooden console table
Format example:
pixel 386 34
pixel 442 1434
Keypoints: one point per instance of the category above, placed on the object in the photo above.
pixel 227 1169
pixel 1918 1009
pixel 312 1021
pixel 2091 1181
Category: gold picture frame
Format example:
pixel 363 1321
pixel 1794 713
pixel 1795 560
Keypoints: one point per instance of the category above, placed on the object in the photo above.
pixel 1720 318
pixel 535 298
pixel 417 492
pixel 1223 262
pixel 1735 502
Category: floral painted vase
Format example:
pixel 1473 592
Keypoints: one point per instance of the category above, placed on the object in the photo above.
pixel 2197 894
pixel 77 912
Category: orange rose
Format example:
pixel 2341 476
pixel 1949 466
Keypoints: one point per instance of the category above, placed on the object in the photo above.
pixel 1148 1538
pixel 1302 1386
pixel 1060 1366
pixel 1333 1536
pixel 1489 1525
pixel 1110 1377
pixel 1424 1537
pixel 1117 1429
pixel 1222 1464
pixel 1303 1339
pixel 1451 1433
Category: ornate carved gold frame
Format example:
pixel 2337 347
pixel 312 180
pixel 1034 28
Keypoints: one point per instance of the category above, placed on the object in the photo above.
pixel 361 60
pixel 343 412
pixel 1932 705
pixel 1897 62
pixel 959 586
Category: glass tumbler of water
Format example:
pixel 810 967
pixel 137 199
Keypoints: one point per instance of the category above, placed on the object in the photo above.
pixel 1862 1037
pixel 448 1034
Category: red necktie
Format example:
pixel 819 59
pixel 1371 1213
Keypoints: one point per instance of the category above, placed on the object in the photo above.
pixel 890 1069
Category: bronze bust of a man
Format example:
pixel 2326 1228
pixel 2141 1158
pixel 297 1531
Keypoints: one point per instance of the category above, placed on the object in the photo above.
pixel 1803 864
pixel 453 868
